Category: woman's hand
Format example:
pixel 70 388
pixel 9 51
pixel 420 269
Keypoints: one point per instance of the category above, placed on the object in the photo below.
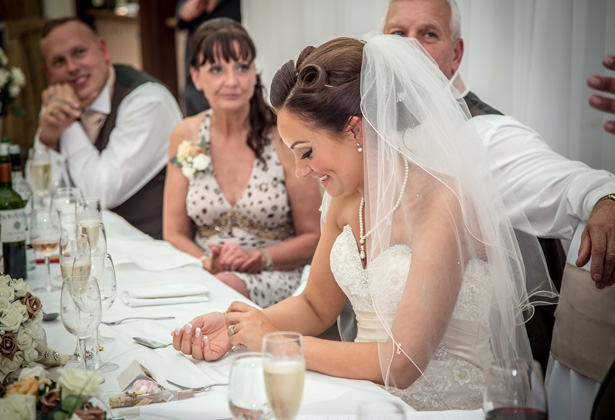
pixel 233 258
pixel 205 337
pixel 249 326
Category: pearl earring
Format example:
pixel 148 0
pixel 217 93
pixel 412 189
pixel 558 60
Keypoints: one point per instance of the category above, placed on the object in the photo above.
pixel 359 148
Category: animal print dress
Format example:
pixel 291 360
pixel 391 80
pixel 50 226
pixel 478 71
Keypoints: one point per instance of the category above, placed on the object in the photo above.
pixel 260 218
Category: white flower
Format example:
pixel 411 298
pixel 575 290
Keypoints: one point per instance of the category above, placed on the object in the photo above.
pixel 18 407
pixel 201 162
pixel 18 77
pixel 36 371
pixel 21 288
pixel 7 292
pixel 3 59
pixel 12 317
pixel 25 342
pixel 7 365
pixel 4 303
pixel 4 77
pixel 5 279
pixel 14 90
pixel 79 382
pixel 188 171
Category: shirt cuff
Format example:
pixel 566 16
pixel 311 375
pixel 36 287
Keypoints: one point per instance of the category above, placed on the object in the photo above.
pixel 75 139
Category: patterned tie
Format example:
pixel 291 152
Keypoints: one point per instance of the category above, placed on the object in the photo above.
pixel 92 121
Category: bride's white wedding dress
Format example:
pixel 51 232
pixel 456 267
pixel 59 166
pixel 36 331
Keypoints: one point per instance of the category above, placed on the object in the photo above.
pixel 454 375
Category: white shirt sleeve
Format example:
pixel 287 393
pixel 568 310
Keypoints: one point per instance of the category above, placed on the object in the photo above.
pixel 555 193
pixel 136 151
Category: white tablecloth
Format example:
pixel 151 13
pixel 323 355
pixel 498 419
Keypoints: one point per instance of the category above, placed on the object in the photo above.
pixel 142 262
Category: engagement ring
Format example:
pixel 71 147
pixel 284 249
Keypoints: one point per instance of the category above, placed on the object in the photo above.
pixel 232 329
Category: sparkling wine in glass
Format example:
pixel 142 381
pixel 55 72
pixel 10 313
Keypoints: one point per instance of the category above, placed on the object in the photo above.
pixel 95 232
pixel 246 392
pixel 103 270
pixel 284 368
pixel 45 238
pixel 80 309
pixel 515 390
pixel 39 168
pixel 89 210
pixel 71 247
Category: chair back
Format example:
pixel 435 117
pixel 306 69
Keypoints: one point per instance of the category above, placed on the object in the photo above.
pixel 604 403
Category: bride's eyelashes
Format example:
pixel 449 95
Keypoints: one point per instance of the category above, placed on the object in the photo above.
pixel 307 154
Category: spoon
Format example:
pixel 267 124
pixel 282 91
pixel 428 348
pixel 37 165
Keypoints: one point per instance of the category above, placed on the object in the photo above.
pixel 51 316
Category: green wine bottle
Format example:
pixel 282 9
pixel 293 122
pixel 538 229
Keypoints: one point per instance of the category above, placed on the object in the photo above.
pixel 12 221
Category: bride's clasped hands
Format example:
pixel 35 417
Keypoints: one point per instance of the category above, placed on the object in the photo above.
pixel 212 335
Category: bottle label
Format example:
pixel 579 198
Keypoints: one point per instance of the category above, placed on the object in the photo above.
pixel 13 225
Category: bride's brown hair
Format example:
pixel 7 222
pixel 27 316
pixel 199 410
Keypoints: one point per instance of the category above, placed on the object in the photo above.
pixel 323 87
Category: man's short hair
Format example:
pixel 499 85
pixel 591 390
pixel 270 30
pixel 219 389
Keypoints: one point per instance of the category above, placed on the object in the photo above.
pixel 50 25
pixel 455 18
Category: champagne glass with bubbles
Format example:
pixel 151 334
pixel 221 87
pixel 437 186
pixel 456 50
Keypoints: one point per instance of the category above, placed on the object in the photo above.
pixel 246 392
pixel 45 238
pixel 71 247
pixel 515 390
pixel 80 309
pixel 96 234
pixel 101 268
pixel 39 169
pixel 89 210
pixel 284 369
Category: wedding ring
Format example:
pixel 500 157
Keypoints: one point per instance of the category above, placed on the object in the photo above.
pixel 232 329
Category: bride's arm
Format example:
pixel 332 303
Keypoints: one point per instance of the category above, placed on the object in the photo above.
pixel 431 290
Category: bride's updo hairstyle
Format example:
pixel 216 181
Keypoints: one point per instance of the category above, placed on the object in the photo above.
pixel 224 39
pixel 323 87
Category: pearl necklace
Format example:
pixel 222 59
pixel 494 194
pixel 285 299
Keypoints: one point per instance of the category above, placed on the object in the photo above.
pixel 362 237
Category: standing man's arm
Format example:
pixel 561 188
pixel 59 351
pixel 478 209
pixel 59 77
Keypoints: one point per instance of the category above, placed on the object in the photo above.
pixel 555 193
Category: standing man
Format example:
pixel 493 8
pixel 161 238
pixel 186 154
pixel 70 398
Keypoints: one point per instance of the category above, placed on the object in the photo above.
pixel 111 124
pixel 555 193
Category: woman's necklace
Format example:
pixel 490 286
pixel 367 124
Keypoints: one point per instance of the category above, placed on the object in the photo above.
pixel 362 237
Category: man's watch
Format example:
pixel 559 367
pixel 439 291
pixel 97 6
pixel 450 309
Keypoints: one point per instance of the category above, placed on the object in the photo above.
pixel 607 197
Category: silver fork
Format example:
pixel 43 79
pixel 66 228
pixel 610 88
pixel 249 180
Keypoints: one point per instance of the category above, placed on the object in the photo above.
pixel 199 389
pixel 119 321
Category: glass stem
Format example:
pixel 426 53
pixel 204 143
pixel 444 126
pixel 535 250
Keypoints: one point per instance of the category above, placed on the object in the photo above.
pixel 96 361
pixel 48 273
pixel 82 346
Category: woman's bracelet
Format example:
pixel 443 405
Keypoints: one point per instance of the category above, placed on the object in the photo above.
pixel 268 261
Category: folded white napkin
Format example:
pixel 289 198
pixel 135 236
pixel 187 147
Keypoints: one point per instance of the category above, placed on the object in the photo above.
pixel 171 294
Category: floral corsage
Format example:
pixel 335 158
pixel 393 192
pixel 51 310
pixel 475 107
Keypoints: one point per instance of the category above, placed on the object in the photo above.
pixel 192 158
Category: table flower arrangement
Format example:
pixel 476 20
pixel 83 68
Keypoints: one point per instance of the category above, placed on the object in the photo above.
pixel 11 82
pixel 22 338
pixel 35 397
pixel 192 158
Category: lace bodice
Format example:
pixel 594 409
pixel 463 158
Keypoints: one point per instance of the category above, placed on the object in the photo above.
pixel 455 371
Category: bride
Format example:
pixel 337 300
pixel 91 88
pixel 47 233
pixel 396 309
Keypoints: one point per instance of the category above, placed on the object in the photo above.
pixel 414 234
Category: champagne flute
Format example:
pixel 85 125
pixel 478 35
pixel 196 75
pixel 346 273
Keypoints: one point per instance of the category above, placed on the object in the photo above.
pixel 96 235
pixel 64 201
pixel 72 246
pixel 89 210
pixel 39 169
pixel 45 238
pixel 102 269
pixel 284 368
pixel 515 390
pixel 246 393
pixel 80 309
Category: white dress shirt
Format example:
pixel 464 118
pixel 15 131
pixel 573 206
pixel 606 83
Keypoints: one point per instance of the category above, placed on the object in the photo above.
pixel 136 151
pixel 555 193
